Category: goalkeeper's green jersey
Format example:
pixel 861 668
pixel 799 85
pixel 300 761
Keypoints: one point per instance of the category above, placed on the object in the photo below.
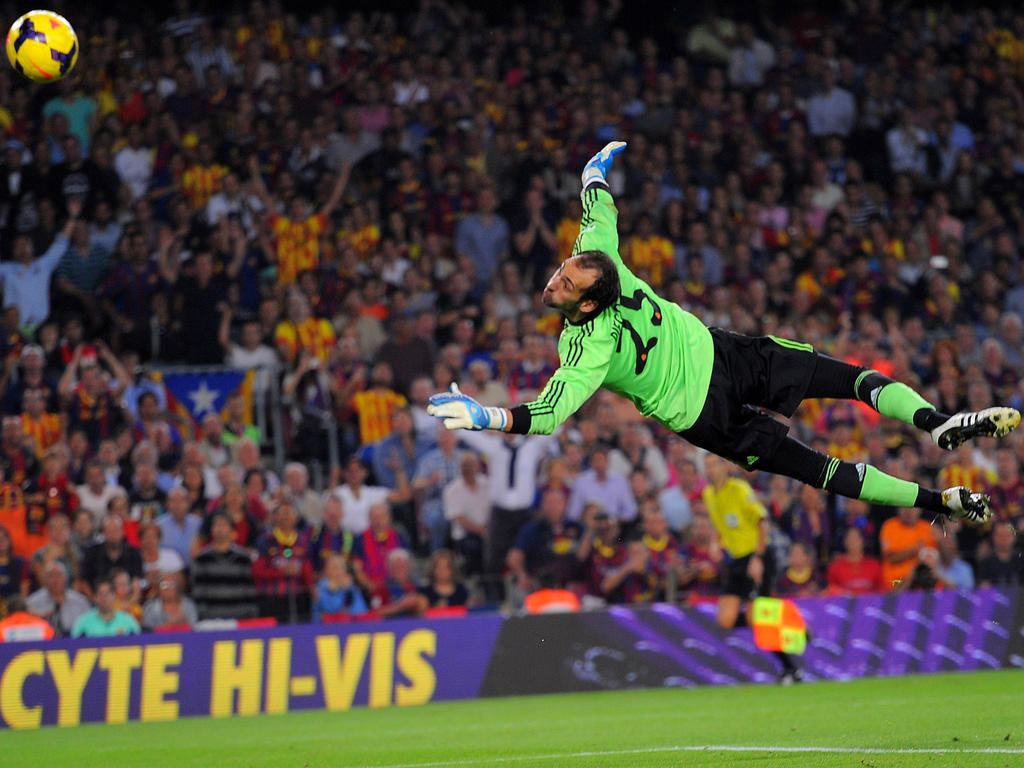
pixel 643 347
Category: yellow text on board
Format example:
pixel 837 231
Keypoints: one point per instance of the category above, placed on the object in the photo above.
pixel 245 677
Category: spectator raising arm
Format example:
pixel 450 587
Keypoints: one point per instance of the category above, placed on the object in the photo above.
pixel 337 190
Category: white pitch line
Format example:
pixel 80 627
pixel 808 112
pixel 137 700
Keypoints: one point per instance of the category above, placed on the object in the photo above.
pixel 708 748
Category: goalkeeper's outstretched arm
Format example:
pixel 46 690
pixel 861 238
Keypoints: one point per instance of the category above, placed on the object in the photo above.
pixel 585 356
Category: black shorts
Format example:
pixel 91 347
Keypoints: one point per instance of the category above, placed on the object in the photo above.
pixel 749 374
pixel 738 583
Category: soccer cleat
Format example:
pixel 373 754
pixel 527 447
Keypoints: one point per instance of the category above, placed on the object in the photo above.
pixel 964 503
pixel 990 422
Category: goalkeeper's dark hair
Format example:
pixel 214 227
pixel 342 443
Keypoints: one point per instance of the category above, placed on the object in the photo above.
pixel 605 290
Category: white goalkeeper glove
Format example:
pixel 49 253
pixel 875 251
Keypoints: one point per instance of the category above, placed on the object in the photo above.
pixel 459 411
pixel 597 168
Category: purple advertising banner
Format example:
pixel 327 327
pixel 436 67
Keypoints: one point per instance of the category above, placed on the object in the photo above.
pixel 408 662
pixel 163 677
pixel 665 645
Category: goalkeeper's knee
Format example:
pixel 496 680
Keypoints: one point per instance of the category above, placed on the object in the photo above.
pixel 869 385
pixel 841 477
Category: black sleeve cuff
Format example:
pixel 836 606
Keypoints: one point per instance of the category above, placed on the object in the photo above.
pixel 599 184
pixel 521 420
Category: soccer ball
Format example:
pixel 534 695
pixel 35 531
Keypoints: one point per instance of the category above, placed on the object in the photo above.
pixel 42 45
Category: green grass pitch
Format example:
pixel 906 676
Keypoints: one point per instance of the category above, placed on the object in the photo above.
pixel 961 721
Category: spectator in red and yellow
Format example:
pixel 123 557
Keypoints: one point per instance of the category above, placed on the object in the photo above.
pixel 703 557
pixel 92 403
pixel 303 332
pixel 297 235
pixel 375 406
pixel 49 494
pixel 800 577
pixel 647 252
pixel 662 546
pixel 961 469
pixel 18 463
pixel 283 572
pixel 371 550
pixel 600 551
pixel 202 180
pixel 360 231
pixel 41 428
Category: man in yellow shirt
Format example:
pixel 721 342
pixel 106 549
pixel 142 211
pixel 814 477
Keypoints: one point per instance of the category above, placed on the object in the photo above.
pixel 742 524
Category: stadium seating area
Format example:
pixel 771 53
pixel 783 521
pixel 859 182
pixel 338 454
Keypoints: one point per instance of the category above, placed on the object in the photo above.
pixel 360 209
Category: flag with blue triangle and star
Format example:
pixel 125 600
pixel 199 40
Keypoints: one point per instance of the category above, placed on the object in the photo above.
pixel 198 394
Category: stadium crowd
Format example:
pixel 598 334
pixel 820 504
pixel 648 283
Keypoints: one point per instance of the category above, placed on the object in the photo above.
pixel 364 206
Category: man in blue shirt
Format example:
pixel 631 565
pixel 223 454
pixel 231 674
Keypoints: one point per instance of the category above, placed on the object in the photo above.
pixel 26 283
pixel 178 527
pixel 103 620
pixel 483 238
pixel 601 484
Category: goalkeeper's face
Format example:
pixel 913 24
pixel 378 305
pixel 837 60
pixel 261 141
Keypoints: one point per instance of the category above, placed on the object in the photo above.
pixel 566 286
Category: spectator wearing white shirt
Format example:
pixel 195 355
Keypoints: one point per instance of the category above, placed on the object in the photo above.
pixel 749 59
pixel 512 462
pixel 55 602
pixel 602 485
pixel 357 498
pixel 250 352
pixel 232 199
pixel 157 561
pixel 351 144
pixel 307 502
pixel 205 52
pixel 410 90
pixel 637 451
pixel 906 145
pixel 832 109
pixel 134 163
pixel 96 492
pixel 824 193
pixel 467 506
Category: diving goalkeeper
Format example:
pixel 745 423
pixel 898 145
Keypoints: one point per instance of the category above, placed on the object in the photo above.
pixel 708 384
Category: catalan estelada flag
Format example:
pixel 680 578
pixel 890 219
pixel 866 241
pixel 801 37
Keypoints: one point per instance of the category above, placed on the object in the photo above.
pixel 778 625
pixel 191 396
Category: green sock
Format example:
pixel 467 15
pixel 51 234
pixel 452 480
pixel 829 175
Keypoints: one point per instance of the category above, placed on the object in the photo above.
pixel 898 401
pixel 881 488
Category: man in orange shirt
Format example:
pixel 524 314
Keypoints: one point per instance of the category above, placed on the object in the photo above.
pixel 902 538
pixel 21 626
pixel 297 235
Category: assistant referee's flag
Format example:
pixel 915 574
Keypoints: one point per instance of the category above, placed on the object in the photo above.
pixel 778 625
